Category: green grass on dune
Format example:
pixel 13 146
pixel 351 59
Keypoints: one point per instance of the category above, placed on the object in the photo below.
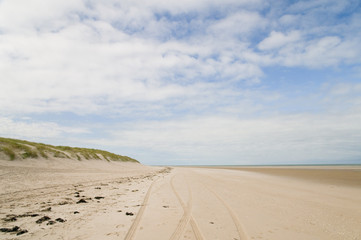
pixel 21 149
pixel 12 146
pixel 8 152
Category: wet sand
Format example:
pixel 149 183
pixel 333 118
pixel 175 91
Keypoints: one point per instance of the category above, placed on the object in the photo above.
pixel 338 175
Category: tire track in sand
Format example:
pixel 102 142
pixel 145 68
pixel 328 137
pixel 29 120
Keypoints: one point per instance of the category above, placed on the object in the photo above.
pixel 187 215
pixel 132 230
pixel 195 229
pixel 242 234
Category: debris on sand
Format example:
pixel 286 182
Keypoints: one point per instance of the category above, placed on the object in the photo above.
pixel 46 209
pixel 63 203
pixel 29 215
pixel 60 220
pixel 51 222
pixel 10 218
pixel 13 229
pixel 81 201
pixel 14 218
pixel 21 232
pixel 43 219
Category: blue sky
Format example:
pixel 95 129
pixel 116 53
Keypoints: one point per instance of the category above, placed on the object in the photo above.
pixel 185 82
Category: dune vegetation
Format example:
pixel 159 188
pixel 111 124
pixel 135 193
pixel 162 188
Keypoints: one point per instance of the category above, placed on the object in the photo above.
pixel 21 149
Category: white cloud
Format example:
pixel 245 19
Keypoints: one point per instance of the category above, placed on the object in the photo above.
pixel 278 39
pixel 222 140
pixel 319 6
pixel 35 130
pixel 85 61
pixel 293 51
pixel 58 58
pixel 327 51
pixel 239 24
pixel 289 20
pixel 343 97
pixel 177 7
pixel 312 34
pixel 25 16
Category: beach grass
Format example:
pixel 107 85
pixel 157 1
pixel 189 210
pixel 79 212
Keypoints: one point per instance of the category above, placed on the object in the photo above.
pixel 21 149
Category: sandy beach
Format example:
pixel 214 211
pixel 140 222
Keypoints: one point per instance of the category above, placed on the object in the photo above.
pixel 100 200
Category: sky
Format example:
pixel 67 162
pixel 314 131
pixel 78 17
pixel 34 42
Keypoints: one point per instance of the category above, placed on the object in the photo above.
pixel 207 82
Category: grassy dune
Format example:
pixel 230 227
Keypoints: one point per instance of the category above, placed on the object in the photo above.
pixel 21 149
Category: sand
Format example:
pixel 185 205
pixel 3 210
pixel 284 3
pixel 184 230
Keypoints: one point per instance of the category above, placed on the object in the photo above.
pixel 132 201
pixel 33 189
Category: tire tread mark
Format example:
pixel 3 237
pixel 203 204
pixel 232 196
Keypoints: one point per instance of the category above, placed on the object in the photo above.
pixel 196 230
pixel 242 234
pixel 183 222
pixel 187 216
pixel 132 230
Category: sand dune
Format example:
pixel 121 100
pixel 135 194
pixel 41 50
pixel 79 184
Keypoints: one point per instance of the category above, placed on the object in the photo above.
pixel 131 201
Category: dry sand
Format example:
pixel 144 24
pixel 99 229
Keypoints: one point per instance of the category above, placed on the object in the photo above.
pixel 181 203
pixel 33 189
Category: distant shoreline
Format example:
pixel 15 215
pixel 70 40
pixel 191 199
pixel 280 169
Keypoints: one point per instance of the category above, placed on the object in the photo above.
pixel 270 165
pixel 347 175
